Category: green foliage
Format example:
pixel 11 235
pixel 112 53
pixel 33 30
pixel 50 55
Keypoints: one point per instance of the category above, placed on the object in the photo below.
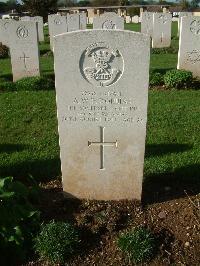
pixel 56 242
pixel 7 86
pixel 156 79
pixel 18 220
pixel 34 83
pixel 168 50
pixel 138 245
pixel 40 8
pixel 4 51
pixel 178 79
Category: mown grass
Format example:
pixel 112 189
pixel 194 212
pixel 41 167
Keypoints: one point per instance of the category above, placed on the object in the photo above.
pixel 29 138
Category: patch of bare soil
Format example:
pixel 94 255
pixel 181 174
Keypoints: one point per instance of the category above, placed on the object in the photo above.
pixel 175 223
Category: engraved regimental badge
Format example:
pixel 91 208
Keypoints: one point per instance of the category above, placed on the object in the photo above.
pixel 101 65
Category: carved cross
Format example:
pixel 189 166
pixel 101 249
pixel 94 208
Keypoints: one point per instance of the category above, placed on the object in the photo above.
pixel 24 57
pixel 102 144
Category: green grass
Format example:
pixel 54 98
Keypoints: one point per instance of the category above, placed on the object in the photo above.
pixel 29 138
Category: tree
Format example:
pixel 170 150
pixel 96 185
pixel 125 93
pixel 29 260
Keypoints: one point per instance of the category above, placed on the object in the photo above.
pixel 195 3
pixel 40 8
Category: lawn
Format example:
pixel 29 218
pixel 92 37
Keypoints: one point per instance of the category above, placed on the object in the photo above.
pixel 29 138
pixel 29 147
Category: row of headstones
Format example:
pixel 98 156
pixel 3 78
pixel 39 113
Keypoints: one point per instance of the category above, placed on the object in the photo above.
pixel 158 27
pixel 102 97
pixel 22 38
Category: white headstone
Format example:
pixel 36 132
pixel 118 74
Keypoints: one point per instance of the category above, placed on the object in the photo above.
pixel 189 45
pixel 23 40
pixel 108 21
pixel 102 112
pixel 40 22
pixel 147 23
pixel 57 25
pixel 128 19
pixel 161 36
pixel 25 18
pixel 91 20
pixel 4 31
pixel 40 25
pixel 83 21
pixel 182 14
pixel 73 22
pixel 135 19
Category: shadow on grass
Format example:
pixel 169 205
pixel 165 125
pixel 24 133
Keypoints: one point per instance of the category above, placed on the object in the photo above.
pixel 9 148
pixel 162 149
pixel 41 170
pixel 168 186
pixel 7 77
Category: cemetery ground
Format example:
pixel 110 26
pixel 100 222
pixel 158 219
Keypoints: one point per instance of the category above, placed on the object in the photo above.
pixel 171 200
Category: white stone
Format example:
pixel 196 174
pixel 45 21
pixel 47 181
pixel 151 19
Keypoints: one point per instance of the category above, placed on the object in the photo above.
pixel 91 20
pixel 73 22
pixel 40 25
pixel 182 14
pixel 109 20
pixel 40 22
pixel 102 111
pixel 135 19
pixel 128 19
pixel 189 45
pixel 4 31
pixel 161 36
pixel 25 18
pixel 83 21
pixel 23 42
pixel 147 23
pixel 57 25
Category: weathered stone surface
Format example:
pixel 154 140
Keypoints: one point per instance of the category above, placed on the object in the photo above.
pixel 57 25
pixel 102 111
pixel 4 31
pixel 147 23
pixel 189 45
pixel 161 30
pixel 128 19
pixel 135 19
pixel 83 21
pixel 40 22
pixel 182 14
pixel 23 43
pixel 73 22
pixel 109 20
pixel 40 25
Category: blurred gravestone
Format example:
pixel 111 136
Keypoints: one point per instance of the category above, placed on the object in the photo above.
pixel 109 20
pixel 189 45
pixel 23 40
pixel 161 36
pixel 147 23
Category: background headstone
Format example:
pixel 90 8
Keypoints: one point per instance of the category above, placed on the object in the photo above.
pixel 147 23
pixel 4 31
pixel 57 25
pixel 83 21
pixel 128 19
pixel 108 21
pixel 102 111
pixel 73 22
pixel 135 19
pixel 40 22
pixel 182 14
pixel 161 36
pixel 23 42
pixel 189 45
